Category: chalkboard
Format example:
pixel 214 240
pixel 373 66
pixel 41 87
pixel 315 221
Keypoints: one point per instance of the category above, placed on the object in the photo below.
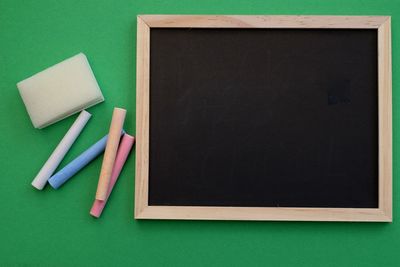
pixel 263 117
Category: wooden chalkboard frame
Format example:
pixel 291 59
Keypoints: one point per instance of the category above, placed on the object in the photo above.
pixel 381 214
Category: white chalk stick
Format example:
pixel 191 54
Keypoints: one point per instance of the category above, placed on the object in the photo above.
pixel 58 154
pixel 60 91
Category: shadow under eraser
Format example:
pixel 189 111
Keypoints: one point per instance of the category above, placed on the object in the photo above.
pixel 60 91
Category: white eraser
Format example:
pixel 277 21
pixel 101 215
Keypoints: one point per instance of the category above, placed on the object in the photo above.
pixel 60 91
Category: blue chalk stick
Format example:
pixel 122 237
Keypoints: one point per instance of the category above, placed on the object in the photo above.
pixel 78 163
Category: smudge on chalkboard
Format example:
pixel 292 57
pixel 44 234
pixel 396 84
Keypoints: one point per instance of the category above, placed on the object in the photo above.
pixel 339 92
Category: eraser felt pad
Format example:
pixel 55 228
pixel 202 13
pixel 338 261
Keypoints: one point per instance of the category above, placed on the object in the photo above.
pixel 60 91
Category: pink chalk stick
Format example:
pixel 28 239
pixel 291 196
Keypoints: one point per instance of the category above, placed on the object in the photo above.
pixel 122 154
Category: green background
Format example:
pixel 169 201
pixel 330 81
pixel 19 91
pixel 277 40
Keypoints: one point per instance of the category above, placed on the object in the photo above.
pixel 53 228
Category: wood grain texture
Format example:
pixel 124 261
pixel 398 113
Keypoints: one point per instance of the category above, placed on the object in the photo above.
pixel 227 21
pixel 382 214
pixel 385 118
pixel 142 116
pixel 261 214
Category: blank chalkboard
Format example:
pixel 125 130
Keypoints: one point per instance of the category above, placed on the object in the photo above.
pixel 263 117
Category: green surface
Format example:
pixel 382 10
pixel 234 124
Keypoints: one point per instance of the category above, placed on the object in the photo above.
pixel 53 228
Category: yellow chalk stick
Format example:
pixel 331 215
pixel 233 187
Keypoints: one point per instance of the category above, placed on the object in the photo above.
pixel 117 122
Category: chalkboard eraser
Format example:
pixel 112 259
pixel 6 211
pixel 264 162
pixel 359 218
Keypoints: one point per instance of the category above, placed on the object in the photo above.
pixel 60 91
